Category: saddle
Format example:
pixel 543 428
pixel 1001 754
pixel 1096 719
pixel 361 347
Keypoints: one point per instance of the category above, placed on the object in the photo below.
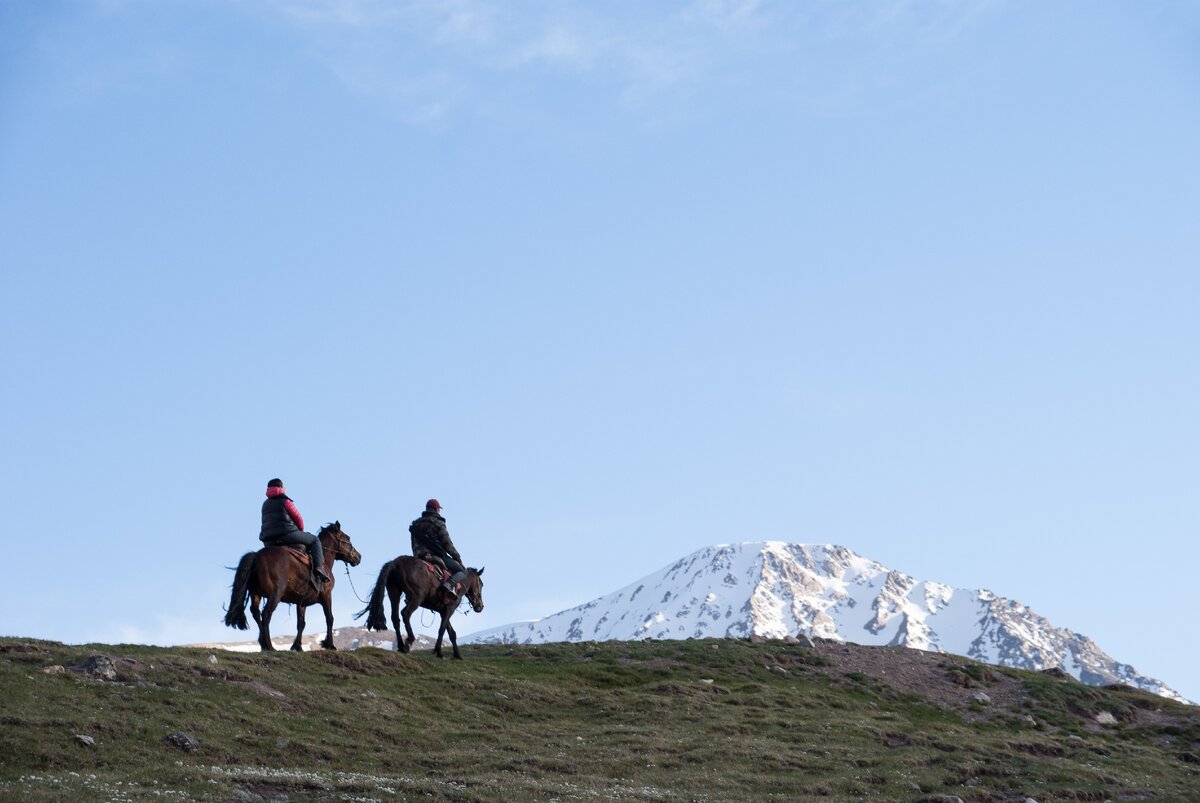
pixel 441 574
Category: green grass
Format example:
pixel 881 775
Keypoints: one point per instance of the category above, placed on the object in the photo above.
pixel 663 721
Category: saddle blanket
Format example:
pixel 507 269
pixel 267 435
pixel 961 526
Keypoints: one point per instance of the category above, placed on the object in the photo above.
pixel 436 571
pixel 300 554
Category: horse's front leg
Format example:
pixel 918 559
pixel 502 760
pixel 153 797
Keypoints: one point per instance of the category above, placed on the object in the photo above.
pixel 437 648
pixel 297 645
pixel 327 606
pixel 453 638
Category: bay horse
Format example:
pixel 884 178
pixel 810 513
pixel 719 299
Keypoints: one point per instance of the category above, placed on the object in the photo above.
pixel 420 586
pixel 275 574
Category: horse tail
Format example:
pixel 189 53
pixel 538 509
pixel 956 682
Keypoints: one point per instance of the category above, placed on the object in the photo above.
pixel 377 619
pixel 236 615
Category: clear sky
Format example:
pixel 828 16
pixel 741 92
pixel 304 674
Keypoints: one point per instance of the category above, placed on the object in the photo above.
pixel 613 281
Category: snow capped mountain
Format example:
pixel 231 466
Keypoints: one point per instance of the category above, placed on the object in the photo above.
pixel 775 589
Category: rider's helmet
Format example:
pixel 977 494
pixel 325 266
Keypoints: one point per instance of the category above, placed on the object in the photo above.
pixel 434 505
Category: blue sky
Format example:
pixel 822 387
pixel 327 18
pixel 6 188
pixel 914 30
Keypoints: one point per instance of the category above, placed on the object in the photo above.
pixel 614 282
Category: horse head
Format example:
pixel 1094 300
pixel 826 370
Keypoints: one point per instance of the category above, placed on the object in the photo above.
pixel 474 589
pixel 341 548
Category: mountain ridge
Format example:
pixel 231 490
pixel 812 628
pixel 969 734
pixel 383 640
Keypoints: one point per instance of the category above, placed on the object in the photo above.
pixel 775 589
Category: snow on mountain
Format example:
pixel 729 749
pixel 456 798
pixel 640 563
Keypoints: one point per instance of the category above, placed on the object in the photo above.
pixel 774 589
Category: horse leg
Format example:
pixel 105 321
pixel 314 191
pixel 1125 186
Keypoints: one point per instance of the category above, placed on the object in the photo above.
pixel 327 606
pixel 264 627
pixel 255 601
pixel 394 600
pixel 437 648
pixel 453 638
pixel 406 645
pixel 297 645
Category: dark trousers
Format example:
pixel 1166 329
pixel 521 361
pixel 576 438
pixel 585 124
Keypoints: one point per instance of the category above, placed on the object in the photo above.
pixel 300 538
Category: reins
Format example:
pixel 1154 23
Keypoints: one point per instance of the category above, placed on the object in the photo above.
pixel 456 610
pixel 337 542
pixel 350 580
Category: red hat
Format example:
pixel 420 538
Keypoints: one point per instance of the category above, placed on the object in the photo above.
pixel 433 504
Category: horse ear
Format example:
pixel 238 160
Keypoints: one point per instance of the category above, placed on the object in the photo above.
pixel 337 525
pixel 480 572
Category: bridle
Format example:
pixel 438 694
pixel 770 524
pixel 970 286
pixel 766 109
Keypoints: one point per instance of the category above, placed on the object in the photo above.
pixel 341 544
pixel 471 597
pixel 342 548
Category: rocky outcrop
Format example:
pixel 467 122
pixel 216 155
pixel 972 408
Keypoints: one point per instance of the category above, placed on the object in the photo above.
pixel 99 667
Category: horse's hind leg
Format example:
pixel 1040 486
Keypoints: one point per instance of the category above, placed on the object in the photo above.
pixel 297 645
pixel 264 626
pixel 255 601
pixel 394 600
pixel 409 607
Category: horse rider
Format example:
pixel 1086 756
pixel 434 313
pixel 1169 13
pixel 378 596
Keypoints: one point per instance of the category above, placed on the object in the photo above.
pixel 282 525
pixel 431 541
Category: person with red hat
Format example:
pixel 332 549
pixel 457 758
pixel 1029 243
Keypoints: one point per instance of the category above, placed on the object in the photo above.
pixel 431 541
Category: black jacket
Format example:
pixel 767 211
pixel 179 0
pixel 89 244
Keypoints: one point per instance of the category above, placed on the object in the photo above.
pixel 275 518
pixel 429 534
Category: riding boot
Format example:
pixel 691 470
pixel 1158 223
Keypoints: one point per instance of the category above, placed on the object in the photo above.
pixel 318 561
pixel 452 585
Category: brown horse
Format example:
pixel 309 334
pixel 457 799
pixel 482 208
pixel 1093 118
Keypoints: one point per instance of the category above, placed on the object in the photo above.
pixel 411 577
pixel 275 574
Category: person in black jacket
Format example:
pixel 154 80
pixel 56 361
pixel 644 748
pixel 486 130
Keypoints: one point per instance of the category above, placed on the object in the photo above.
pixel 431 539
pixel 282 525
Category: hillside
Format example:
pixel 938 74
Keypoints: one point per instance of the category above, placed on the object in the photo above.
pixel 776 589
pixel 710 720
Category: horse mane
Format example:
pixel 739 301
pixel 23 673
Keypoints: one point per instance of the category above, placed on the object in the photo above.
pixel 329 525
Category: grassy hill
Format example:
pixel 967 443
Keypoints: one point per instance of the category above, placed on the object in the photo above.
pixel 656 721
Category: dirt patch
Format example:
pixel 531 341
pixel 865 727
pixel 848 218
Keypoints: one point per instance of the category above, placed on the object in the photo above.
pixel 944 680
